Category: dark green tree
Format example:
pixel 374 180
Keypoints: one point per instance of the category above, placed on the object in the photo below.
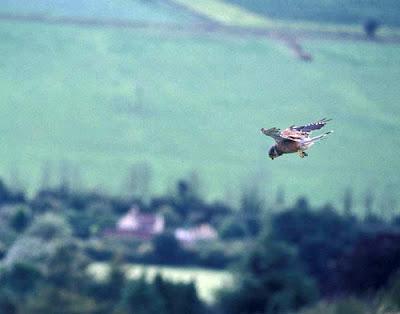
pixel 321 238
pixel 370 27
pixel 251 210
pixel 21 218
pixel 232 228
pixel 21 279
pixel 166 248
pixel 269 281
pixel 7 302
pixel 348 202
pixel 140 297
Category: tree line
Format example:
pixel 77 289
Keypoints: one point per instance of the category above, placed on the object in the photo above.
pixel 283 257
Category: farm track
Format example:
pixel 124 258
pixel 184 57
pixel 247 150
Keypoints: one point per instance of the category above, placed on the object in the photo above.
pixel 278 33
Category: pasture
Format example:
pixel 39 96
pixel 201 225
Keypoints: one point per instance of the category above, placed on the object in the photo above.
pixel 136 10
pixel 343 11
pixel 207 281
pixel 92 102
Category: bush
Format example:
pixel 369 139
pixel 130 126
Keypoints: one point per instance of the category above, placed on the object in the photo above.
pixel 49 227
pixel 374 259
pixel 394 293
pixel 21 218
pixel 370 27
pixel 232 228
pixel 29 250
pixel 161 297
pixel 139 297
pixel 98 251
pixel 7 302
pixel 167 249
pixel 321 237
pixel 341 306
pixel 21 278
pixel 270 281
pixel 213 255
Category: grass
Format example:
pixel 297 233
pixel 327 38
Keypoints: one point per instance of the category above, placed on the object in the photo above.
pixel 69 95
pixel 226 13
pixel 309 16
pixel 137 10
pixel 335 12
pixel 207 281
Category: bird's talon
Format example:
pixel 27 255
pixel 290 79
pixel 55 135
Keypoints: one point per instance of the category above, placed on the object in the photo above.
pixel 302 154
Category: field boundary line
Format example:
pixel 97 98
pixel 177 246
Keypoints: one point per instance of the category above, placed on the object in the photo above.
pixel 277 33
pixel 224 13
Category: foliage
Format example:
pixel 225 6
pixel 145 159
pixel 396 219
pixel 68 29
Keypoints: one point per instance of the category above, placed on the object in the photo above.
pixel 322 238
pixel 30 250
pixel 391 296
pixel 251 210
pixel 270 281
pixel 21 218
pixel 342 306
pixel 373 261
pixel 21 278
pixel 7 303
pixel 370 27
pixel 232 228
pixel 160 297
pixel 167 249
pixel 284 257
pixel 49 227
pixel 214 255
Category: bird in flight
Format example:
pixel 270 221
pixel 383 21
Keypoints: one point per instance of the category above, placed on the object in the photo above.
pixel 294 139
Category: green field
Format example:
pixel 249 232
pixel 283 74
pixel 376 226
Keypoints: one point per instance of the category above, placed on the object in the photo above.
pixel 339 11
pixel 207 281
pixel 68 95
pixel 137 10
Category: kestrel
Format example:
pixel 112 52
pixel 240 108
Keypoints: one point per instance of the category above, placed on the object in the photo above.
pixel 294 139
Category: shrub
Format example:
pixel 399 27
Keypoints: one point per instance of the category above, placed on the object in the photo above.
pixel 269 281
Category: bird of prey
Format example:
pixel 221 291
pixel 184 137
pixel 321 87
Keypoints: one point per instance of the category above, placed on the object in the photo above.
pixel 294 139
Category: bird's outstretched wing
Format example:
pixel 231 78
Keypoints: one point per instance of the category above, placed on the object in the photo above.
pixel 312 126
pixel 275 133
pixel 295 133
pixel 287 134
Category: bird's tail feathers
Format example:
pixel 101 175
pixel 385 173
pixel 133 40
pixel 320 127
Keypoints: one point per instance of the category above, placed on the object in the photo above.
pixel 319 137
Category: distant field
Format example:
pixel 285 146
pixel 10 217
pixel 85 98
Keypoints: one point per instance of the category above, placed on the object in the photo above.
pixel 207 281
pixel 225 13
pixel 138 10
pixel 70 94
pixel 326 11
pixel 255 14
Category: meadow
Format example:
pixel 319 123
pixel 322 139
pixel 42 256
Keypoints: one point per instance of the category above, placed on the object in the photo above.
pixel 342 11
pixel 93 102
pixel 305 18
pixel 137 10
pixel 207 281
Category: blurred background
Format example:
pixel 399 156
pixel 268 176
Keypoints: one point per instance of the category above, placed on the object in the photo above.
pixel 135 178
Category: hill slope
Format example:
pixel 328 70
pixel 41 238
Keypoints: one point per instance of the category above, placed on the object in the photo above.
pixel 72 94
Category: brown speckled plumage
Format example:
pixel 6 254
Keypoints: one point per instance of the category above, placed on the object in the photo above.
pixel 294 139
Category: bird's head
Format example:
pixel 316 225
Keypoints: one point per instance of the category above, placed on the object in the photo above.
pixel 273 153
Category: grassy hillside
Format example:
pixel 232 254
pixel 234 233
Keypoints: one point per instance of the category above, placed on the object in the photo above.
pixel 207 281
pixel 150 11
pixel 225 13
pixel 71 95
pixel 342 11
